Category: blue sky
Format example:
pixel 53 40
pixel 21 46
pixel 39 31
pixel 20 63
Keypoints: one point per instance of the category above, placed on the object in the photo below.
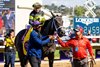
pixel 68 3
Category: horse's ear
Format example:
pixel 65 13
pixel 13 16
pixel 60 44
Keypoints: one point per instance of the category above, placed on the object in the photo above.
pixel 52 13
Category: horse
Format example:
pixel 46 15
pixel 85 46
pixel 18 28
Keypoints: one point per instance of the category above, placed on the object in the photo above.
pixel 54 24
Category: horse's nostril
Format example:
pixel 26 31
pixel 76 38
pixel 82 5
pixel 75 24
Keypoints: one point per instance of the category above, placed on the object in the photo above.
pixel 61 32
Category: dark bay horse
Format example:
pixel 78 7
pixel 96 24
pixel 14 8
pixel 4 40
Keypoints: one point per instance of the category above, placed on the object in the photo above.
pixel 49 27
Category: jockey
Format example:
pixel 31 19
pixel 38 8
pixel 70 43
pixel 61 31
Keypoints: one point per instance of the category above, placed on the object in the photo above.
pixel 35 44
pixel 37 14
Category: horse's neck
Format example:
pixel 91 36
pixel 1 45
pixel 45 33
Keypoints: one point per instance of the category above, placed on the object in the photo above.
pixel 51 25
pixel 46 29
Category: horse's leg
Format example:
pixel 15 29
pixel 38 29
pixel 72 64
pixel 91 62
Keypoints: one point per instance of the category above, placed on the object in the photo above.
pixel 23 59
pixel 51 59
pixel 51 54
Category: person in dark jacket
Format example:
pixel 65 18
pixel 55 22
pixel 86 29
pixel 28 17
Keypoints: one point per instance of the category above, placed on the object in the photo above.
pixel 35 44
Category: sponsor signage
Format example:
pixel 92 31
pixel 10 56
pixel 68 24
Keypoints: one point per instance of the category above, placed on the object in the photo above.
pixel 97 53
pixel 88 24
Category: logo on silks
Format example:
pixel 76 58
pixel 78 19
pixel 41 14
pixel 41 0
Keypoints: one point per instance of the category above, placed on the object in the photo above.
pixel 88 24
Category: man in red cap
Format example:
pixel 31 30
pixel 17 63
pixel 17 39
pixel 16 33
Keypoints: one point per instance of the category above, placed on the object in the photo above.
pixel 79 46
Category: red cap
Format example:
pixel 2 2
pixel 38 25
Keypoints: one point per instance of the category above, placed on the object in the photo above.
pixel 79 29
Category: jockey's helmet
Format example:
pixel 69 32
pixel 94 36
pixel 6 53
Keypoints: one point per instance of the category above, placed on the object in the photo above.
pixel 36 5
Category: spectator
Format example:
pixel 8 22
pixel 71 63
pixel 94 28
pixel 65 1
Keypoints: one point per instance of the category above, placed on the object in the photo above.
pixel 1 26
pixel 8 20
pixel 9 49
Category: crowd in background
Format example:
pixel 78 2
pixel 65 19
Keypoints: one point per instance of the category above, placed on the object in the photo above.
pixel 7 24
pixel 7 21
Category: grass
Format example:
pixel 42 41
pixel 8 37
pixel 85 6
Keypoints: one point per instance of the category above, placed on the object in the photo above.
pixel 56 54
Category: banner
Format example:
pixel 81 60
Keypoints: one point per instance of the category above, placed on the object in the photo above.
pixel 97 53
pixel 88 24
pixel 7 16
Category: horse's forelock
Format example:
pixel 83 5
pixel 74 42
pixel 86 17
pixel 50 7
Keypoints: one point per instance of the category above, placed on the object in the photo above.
pixel 59 20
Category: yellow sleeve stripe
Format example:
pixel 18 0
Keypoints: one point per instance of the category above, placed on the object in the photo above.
pixel 31 17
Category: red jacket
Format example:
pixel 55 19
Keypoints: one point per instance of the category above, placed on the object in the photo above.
pixel 1 23
pixel 82 45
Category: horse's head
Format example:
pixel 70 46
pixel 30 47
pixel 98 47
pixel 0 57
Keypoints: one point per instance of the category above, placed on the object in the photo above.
pixel 59 26
pixel 53 25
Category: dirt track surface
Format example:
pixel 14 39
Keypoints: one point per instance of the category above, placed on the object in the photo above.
pixel 60 63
